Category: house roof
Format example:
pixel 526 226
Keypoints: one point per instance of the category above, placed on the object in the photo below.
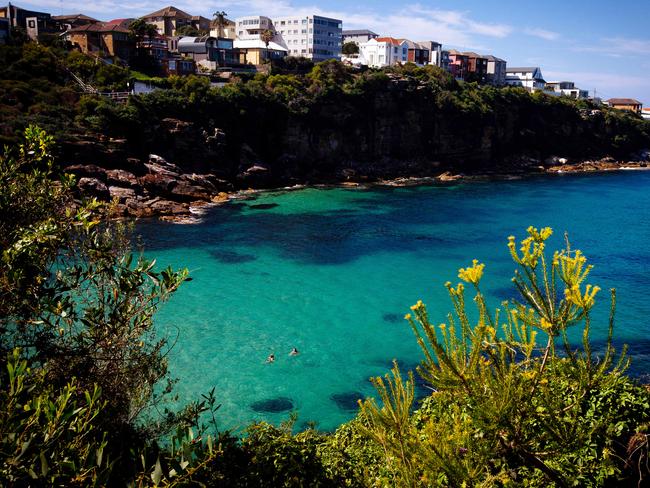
pixel 359 32
pixel 623 101
pixel 390 40
pixel 169 11
pixel 413 45
pixel 521 70
pixel 73 17
pixel 120 22
pixel 471 54
pixel 100 27
pixel 489 57
pixel 257 44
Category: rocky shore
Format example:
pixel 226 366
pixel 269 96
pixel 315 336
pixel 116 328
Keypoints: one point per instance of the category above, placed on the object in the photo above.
pixel 180 167
pixel 158 188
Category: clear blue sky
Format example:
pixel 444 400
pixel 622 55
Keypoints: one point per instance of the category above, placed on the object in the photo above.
pixel 599 44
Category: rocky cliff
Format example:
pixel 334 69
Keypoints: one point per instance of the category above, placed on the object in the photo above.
pixel 401 130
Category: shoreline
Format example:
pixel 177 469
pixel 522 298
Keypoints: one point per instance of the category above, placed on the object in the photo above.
pixel 197 210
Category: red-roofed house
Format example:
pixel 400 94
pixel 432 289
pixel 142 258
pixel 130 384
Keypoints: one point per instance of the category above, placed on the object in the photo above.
pixel 168 19
pixel 384 51
pixel 629 104
pixel 103 38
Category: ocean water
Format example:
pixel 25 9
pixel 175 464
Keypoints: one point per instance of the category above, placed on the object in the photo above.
pixel 333 271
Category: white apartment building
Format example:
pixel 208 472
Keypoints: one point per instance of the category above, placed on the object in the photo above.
pixel 529 78
pixel 384 51
pixel 251 28
pixel 312 36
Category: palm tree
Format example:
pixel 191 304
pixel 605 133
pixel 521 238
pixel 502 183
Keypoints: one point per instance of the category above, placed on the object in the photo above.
pixel 267 36
pixel 220 20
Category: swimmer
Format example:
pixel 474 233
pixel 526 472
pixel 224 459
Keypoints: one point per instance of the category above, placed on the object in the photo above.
pixel 294 352
pixel 271 358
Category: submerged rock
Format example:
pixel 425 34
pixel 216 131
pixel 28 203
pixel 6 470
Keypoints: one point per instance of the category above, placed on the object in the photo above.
pixel 347 401
pixel 273 405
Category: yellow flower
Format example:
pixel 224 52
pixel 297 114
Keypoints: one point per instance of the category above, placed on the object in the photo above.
pixel 472 275
pixel 417 306
pixel 545 324
pixel 407 316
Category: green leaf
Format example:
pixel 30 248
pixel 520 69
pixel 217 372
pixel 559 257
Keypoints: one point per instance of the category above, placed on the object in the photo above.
pixel 157 474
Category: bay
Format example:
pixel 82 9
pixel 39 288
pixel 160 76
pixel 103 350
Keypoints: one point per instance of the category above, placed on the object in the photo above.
pixel 333 271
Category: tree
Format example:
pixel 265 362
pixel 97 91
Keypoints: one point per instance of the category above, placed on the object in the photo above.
pixel 141 30
pixel 350 49
pixel 187 30
pixel 219 19
pixel 267 36
pixel 72 294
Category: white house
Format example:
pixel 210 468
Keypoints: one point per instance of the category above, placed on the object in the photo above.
pixel 384 51
pixel 567 89
pixel 529 78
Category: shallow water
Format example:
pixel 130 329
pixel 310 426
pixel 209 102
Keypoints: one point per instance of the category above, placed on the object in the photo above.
pixel 332 272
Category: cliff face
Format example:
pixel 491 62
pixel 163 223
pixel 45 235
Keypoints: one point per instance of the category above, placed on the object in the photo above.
pixel 386 134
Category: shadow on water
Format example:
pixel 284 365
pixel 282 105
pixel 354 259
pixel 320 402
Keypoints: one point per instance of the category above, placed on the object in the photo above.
pixel 347 401
pixel 231 257
pixel 273 405
pixel 393 318
pixel 327 237
pixel 264 206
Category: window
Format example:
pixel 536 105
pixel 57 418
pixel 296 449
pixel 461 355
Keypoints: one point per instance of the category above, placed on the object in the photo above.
pixel 32 23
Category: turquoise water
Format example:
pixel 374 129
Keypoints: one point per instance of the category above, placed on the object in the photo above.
pixel 332 272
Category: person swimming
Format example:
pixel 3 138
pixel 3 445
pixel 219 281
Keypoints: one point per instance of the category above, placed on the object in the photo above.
pixel 271 358
pixel 294 352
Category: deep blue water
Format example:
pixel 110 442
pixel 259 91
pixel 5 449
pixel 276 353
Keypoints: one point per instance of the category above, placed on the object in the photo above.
pixel 332 272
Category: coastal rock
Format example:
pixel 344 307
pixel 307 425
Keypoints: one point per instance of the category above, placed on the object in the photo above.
pixel 94 187
pixel 555 161
pixel 121 177
pixel 159 165
pixel 86 170
pixel 122 194
pixel 167 207
pixel 157 183
pixel 184 190
pixel 447 176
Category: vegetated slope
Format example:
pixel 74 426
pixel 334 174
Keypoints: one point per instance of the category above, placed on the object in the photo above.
pixel 328 125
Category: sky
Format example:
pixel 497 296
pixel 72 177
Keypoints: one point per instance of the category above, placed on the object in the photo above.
pixel 601 45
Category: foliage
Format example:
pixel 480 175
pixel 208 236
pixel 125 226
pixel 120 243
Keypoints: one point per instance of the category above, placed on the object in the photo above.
pixel 80 305
pixel 507 408
pixel 187 30
pixel 350 48
pixel 49 436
